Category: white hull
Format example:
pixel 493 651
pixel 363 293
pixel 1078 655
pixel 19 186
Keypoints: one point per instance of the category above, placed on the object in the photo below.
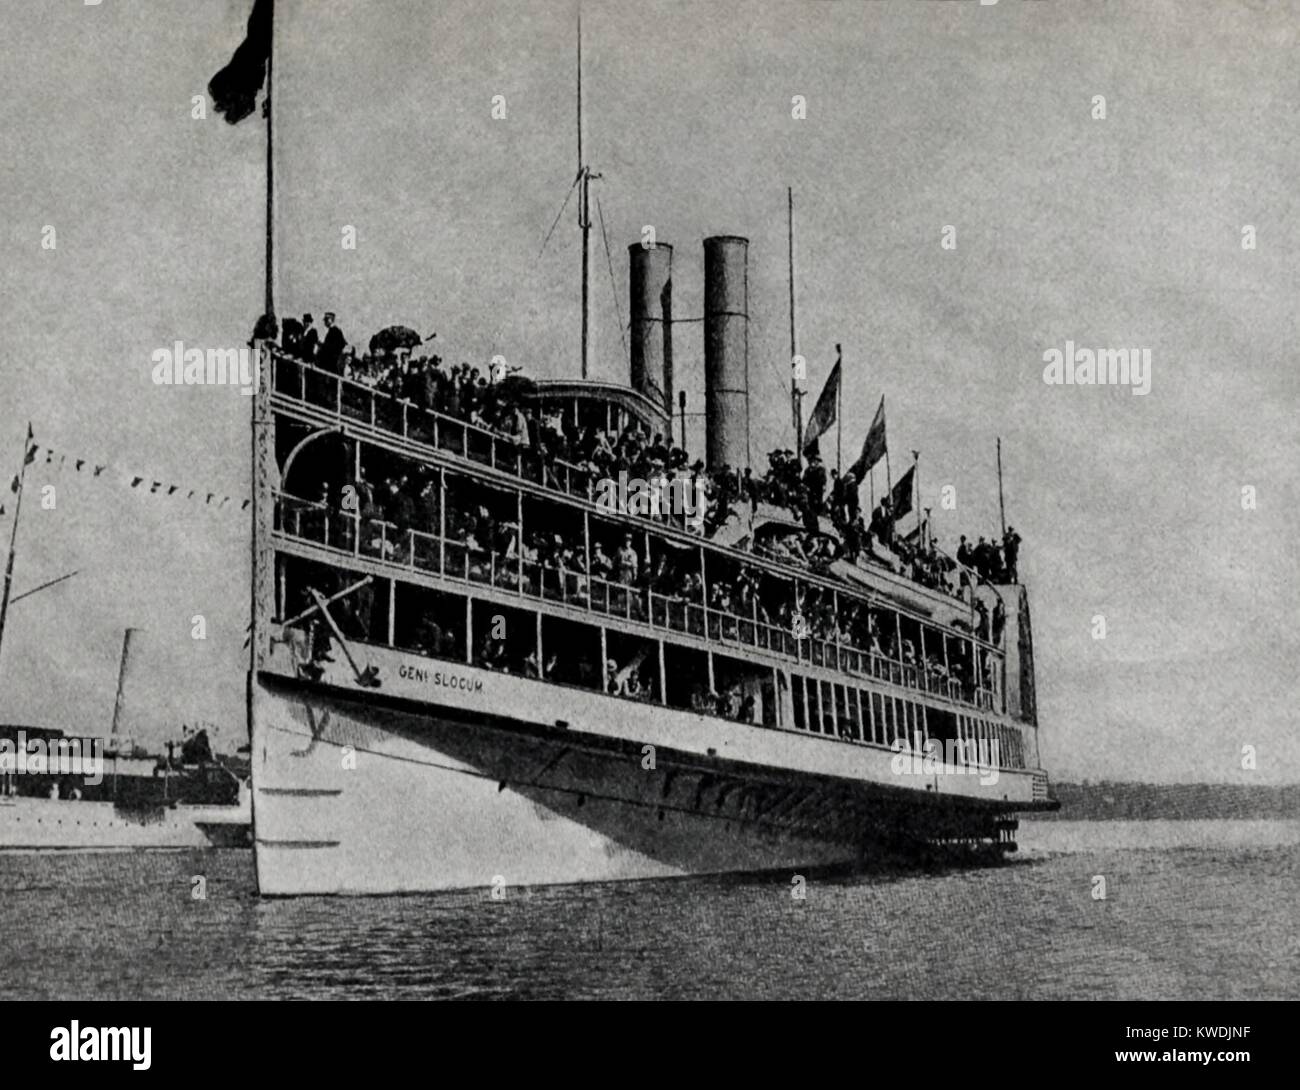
pixel 453 777
pixel 67 825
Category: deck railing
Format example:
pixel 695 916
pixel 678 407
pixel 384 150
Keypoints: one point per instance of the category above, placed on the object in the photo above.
pixel 416 550
pixel 349 399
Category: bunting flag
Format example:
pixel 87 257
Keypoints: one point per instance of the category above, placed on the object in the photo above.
pixel 873 447
pixel 128 479
pixel 823 414
pixel 235 88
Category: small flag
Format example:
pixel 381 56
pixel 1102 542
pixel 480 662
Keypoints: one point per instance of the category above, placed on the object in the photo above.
pixel 172 489
pixel 135 481
pixel 209 499
pixel 873 447
pixel 235 88
pixel 80 462
pixel 13 485
pixel 156 485
pixel 99 470
pixel 31 453
pixel 900 499
pixel 244 505
pixel 823 414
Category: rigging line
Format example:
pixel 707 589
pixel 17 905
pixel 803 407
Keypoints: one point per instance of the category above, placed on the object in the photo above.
pixel 567 197
pixel 600 214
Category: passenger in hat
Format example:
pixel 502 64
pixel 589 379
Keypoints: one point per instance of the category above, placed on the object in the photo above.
pixel 330 356
pixel 309 341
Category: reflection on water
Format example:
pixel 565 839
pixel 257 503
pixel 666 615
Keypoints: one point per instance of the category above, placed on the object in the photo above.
pixel 1193 909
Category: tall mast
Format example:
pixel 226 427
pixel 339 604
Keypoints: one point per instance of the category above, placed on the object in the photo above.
pixel 121 682
pixel 796 397
pixel 13 536
pixel 1002 507
pixel 270 173
pixel 585 175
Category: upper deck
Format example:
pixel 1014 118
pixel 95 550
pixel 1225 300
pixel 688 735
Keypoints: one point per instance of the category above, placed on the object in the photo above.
pixel 923 644
pixel 431 437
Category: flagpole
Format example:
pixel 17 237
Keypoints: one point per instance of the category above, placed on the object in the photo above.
pixel 839 413
pixel 916 485
pixel 1001 506
pixel 270 172
pixel 796 399
pixel 13 537
pixel 889 493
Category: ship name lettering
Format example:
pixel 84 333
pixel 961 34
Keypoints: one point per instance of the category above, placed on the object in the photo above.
pixel 436 677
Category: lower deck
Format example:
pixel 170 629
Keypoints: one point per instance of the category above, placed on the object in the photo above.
pixel 439 776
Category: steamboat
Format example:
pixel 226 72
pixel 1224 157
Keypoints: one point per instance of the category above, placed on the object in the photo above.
pixel 439 704
pixel 469 669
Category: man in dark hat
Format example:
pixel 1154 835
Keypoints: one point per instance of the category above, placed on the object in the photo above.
pixel 330 357
pixel 309 341
pixel 814 486
pixel 1011 553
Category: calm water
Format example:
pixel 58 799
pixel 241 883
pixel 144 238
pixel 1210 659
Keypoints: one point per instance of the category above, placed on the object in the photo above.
pixel 1193 910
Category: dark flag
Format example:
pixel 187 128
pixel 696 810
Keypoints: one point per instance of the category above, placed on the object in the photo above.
pixel 900 499
pixel 235 88
pixel 823 414
pixel 873 447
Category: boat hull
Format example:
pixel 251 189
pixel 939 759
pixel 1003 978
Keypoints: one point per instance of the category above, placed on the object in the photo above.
pixel 40 824
pixel 372 791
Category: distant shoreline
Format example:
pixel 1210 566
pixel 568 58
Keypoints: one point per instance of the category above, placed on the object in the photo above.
pixel 1120 801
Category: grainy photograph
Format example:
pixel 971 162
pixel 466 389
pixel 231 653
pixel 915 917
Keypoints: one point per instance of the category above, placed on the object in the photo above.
pixel 646 500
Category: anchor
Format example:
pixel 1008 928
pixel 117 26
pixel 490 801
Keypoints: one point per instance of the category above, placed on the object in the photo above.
pixel 367 678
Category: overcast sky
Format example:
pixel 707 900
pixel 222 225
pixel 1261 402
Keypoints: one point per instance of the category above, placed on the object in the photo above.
pixel 1122 232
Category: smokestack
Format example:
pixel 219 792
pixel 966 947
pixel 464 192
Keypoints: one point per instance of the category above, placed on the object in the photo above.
pixel 651 288
pixel 726 350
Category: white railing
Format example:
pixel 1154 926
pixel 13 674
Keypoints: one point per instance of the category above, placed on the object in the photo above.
pixel 415 550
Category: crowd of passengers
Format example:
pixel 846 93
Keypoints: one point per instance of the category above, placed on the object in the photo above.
pixel 553 562
pixel 808 492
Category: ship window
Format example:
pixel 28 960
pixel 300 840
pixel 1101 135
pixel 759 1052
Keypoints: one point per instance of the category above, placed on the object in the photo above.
pixel 868 715
pixel 814 706
pixel 361 615
pixel 767 710
pixel 632 666
pixel 855 715
pixel 429 622
pixel 796 697
pixel 686 673
pixel 943 728
pixel 841 713
pixel 505 638
pixel 740 689
pixel 571 652
pixel 828 708
pixel 554 551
